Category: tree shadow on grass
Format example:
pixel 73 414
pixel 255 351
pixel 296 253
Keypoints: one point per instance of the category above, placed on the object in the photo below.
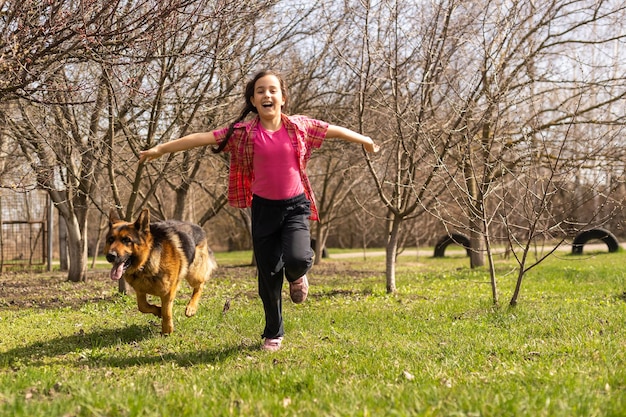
pixel 182 359
pixel 39 353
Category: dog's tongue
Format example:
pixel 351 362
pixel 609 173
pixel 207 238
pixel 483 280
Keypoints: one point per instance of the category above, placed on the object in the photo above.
pixel 117 271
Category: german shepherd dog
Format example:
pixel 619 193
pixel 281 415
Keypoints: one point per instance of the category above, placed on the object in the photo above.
pixel 154 257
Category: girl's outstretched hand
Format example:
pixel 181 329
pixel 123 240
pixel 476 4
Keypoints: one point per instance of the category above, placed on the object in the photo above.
pixel 371 147
pixel 149 154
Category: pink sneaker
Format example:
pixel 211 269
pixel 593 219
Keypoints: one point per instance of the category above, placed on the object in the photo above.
pixel 299 289
pixel 272 345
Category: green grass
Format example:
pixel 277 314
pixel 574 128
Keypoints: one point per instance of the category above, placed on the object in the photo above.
pixel 435 348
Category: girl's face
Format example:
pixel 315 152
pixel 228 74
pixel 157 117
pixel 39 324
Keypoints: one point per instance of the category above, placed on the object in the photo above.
pixel 268 97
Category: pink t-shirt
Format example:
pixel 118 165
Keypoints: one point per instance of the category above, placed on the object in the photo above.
pixel 305 134
pixel 276 173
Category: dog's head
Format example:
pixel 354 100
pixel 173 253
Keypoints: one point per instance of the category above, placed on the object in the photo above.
pixel 126 243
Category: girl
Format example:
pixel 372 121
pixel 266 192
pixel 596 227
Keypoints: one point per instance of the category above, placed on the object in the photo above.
pixel 268 157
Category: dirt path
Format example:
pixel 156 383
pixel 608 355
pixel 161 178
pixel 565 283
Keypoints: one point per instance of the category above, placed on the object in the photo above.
pixel 457 250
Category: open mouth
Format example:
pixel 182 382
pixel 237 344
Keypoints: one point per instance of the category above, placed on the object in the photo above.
pixel 119 267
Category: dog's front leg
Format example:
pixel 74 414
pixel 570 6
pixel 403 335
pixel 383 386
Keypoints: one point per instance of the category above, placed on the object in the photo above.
pixel 145 307
pixel 167 323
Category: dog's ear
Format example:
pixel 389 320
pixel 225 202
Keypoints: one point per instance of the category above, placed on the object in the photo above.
pixel 143 221
pixel 113 217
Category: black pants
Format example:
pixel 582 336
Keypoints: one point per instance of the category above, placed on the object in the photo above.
pixel 282 247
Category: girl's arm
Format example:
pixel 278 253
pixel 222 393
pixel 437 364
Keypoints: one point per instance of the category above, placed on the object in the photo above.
pixel 352 136
pixel 186 142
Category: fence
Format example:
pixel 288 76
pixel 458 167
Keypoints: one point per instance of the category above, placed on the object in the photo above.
pixel 23 229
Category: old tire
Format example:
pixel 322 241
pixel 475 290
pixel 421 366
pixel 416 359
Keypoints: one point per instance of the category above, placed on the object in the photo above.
pixel 454 238
pixel 601 234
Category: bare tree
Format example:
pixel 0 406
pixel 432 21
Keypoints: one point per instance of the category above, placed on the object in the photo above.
pixel 402 65
pixel 40 38
pixel 12 169
pixel 531 122
pixel 335 173
pixel 51 137
pixel 454 81
pixel 56 58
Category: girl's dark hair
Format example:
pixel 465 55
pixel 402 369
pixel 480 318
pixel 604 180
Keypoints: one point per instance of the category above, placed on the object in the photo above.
pixel 249 108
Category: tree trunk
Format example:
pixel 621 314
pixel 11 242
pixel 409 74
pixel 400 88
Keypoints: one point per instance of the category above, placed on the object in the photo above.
pixel 492 267
pixel 181 200
pixel 392 251
pixel 101 232
pixel 77 251
pixel 474 215
pixel 518 287
pixel 477 257
pixel 319 238
pixel 63 264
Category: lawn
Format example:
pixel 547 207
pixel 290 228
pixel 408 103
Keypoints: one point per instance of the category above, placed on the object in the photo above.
pixel 438 347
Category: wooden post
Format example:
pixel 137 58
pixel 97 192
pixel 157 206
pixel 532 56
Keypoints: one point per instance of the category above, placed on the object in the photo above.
pixel 50 230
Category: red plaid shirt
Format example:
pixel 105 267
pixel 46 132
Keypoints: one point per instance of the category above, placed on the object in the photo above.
pixel 306 134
